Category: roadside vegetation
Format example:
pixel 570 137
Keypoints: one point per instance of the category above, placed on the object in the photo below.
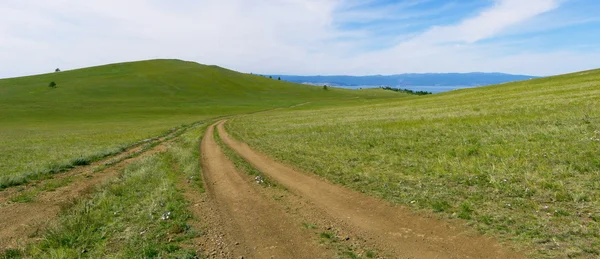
pixel 139 214
pixel 520 160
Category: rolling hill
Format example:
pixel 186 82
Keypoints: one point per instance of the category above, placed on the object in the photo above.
pixel 99 110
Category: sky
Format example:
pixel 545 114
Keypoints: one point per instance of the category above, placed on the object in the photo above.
pixel 305 37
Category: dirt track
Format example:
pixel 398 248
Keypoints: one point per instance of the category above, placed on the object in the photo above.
pixel 262 229
pixel 20 223
pixel 395 230
pixel 245 219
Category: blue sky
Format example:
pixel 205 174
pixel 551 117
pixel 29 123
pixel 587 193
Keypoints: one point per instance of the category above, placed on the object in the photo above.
pixel 305 37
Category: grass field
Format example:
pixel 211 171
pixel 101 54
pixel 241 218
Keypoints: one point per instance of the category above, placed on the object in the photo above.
pixel 519 160
pixel 98 111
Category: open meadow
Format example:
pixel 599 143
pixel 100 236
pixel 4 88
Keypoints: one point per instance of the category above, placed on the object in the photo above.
pixel 99 111
pixel 149 159
pixel 518 160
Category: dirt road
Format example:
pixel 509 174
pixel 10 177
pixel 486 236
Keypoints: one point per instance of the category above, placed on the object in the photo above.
pixel 311 218
pixel 396 231
pixel 20 223
pixel 262 229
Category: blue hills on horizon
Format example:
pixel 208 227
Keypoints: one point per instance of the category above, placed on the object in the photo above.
pixel 412 80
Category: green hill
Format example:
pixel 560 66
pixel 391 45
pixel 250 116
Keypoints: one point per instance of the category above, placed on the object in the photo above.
pixel 98 110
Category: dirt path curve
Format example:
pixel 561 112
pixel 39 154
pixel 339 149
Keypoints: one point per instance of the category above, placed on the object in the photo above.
pixel 21 223
pixel 397 231
pixel 262 228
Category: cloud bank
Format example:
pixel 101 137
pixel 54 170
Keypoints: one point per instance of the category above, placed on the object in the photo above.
pixel 296 36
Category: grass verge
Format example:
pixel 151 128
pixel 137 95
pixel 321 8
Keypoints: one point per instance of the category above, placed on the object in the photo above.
pixel 242 165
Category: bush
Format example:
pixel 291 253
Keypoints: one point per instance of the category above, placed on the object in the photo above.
pixel 408 91
pixel 52 84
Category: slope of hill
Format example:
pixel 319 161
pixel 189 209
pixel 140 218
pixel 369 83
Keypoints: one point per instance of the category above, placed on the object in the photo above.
pixel 518 160
pixel 98 110
pixel 407 80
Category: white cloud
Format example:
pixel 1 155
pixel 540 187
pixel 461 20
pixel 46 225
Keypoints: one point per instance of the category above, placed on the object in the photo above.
pixel 262 36
pixel 503 14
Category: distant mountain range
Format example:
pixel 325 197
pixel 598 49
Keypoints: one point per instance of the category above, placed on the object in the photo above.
pixel 408 80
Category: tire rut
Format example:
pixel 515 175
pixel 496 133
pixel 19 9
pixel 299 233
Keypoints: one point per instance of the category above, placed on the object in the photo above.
pixel 261 228
pixel 396 230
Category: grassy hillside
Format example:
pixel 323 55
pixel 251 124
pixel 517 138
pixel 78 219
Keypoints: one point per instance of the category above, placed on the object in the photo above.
pixel 97 111
pixel 519 160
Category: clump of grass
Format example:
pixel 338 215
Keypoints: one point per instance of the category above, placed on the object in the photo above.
pixel 81 161
pixel 53 184
pixel 465 211
pixel 12 180
pixel 330 238
pixel 24 197
pixel 350 254
pixel 309 225
pixel 440 206
pixel 326 235
pixel 11 254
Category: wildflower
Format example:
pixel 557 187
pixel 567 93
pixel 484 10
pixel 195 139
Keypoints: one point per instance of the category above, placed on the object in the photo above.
pixel 259 179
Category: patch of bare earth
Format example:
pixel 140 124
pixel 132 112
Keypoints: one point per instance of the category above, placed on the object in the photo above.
pixel 365 222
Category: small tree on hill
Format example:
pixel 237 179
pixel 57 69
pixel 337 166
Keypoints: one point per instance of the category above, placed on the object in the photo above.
pixel 325 88
pixel 57 70
pixel 279 78
pixel 52 84
pixel 270 77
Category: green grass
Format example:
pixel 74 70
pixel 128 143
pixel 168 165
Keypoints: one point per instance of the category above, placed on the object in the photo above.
pixel 99 111
pixel 307 225
pixel 139 214
pixel 520 161
pixel 48 185
pixel 24 197
pixel 186 153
